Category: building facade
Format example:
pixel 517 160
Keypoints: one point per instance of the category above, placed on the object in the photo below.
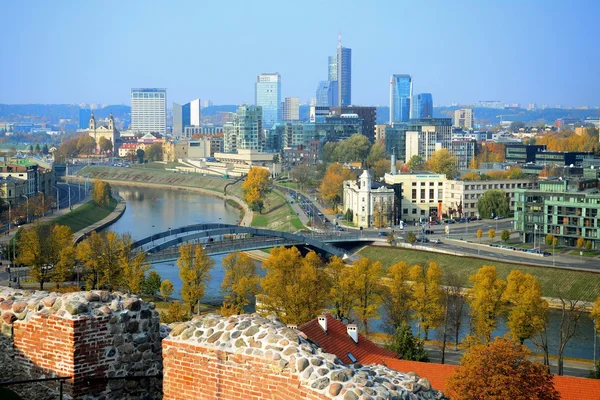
pixel 424 136
pixel 400 94
pixel 291 109
pixel 245 131
pixel 268 96
pixel 344 75
pixel 187 115
pixel 421 106
pixel 464 152
pixel 108 132
pixel 372 203
pixel 368 115
pixel 422 195
pixel 149 110
pixel 463 118
pixel 84 117
pixel 327 93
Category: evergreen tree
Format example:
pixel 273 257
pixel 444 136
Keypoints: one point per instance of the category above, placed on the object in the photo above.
pixel 408 346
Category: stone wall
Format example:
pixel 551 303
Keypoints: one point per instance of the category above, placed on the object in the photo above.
pixel 250 357
pixel 88 336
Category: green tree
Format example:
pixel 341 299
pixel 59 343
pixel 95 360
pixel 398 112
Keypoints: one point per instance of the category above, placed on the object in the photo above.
pixel 328 152
pixel 410 238
pixel 367 275
pixel 376 153
pixel 45 149
pixel 516 125
pixel 486 302
pixel 37 148
pixel 256 187
pixel 493 202
pixel 428 296
pixel 194 269
pixel 140 155
pixel 391 239
pixel 355 148
pixel 588 244
pixel 85 145
pixel 105 145
pixel 442 162
pixel 240 283
pixel 415 163
pixel 505 235
pixel 303 175
pixel 166 289
pixel 408 346
pixel 155 152
pixel 398 296
pixel 152 283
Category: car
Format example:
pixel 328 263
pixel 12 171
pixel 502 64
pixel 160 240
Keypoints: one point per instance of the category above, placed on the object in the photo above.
pixel 449 221
pixel 383 233
pixel 429 232
pixel 422 240
pixel 340 229
pixel 320 214
pixel 436 241
pixel 499 217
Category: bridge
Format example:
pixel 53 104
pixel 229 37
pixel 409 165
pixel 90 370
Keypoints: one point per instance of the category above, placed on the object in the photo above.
pixel 225 238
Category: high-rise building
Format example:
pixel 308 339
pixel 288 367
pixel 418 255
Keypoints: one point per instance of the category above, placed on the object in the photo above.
pixel 344 75
pixel 425 136
pixel 332 72
pixel 149 110
pixel 421 106
pixel 291 109
pixel 84 117
pixel 327 94
pixel 368 115
pixel 184 116
pixel 268 96
pixel 463 118
pixel 400 93
pixel 245 131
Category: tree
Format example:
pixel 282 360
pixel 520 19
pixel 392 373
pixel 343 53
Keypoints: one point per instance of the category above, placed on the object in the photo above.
pixel 548 239
pixel 367 275
pixel 343 292
pixel 486 302
pixel 295 288
pixel 105 145
pixel 492 234
pixel 479 235
pixel 133 264
pixel 175 313
pixel 588 244
pixel 155 152
pixel 391 239
pixel 442 162
pixel 332 184
pixel 152 283
pixel 500 370
pixel 239 284
pixel 255 188
pixel 415 163
pixel 493 202
pixel 410 238
pixel 61 254
pixel 31 149
pixel 45 149
pixel 505 235
pixel 166 289
pixel 380 168
pixel 516 125
pixel 37 148
pixel 194 269
pixel 355 148
pixel 140 155
pixel 455 303
pixel 101 193
pixel 411 348
pixel 528 312
pixel 580 242
pixel 397 297
pixel 570 315
pixel 85 145
pixel 376 153
pixel 595 314
pixel 428 296
pixel 302 174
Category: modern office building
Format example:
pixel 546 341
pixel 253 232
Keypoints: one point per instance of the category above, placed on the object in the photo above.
pixel 464 152
pixel 421 106
pixel 84 117
pixel 395 140
pixel 184 116
pixel 245 131
pixel 367 114
pixel 566 209
pixel 268 97
pixel 400 94
pixel 463 118
pixel 522 153
pixel 290 109
pixel 424 136
pixel 149 110
pixel 332 70
pixel 344 75
pixel 327 93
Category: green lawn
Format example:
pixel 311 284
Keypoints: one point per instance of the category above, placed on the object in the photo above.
pixel 85 215
pixel 277 214
pixel 555 282
pixel 586 253
pixel 259 220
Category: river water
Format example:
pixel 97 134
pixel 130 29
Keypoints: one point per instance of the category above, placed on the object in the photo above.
pixel 153 210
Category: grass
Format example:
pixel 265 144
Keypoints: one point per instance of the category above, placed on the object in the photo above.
pixel 277 214
pixel 259 220
pixel 555 282
pixel 586 253
pixel 85 215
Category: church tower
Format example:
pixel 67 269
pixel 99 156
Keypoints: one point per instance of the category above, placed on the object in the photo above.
pixel 111 123
pixel 92 127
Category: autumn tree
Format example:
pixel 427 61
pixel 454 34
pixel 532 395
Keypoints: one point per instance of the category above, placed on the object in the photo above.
pixel 133 264
pixel 343 292
pixel 62 255
pixel 154 152
pixel 410 238
pixel 380 168
pixel 101 193
pixel 570 317
pixel 194 269
pixel 295 288
pixel 442 162
pixel 505 235
pixel 428 296
pixel 239 284
pixel 548 239
pixel 528 312
pixel 166 289
pixel 397 296
pixel 85 145
pixel 492 233
pixel 493 203
pixel 486 302
pixel 367 275
pixel 175 313
pixel 256 188
pixel 303 175
pixel 105 145
pixel 580 242
pixel 332 185
pixel 479 235
pixel 415 163
pixel 501 370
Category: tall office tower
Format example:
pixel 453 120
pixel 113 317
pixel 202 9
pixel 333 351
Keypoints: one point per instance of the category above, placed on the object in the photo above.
pixel 84 117
pixel 291 109
pixel 268 96
pixel 149 110
pixel 327 94
pixel 344 75
pixel 400 93
pixel 185 115
pixel 463 118
pixel 421 106
pixel 245 130
pixel 332 73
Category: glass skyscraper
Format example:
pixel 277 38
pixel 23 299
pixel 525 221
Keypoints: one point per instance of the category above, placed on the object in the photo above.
pixel 421 106
pixel 149 110
pixel 268 96
pixel 344 76
pixel 332 71
pixel 400 93
pixel 327 94
pixel 244 132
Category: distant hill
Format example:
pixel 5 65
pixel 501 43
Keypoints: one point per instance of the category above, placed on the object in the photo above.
pixel 52 113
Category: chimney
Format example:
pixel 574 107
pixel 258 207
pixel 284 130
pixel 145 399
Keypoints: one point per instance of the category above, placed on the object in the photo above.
pixel 352 332
pixel 292 326
pixel 393 163
pixel 323 322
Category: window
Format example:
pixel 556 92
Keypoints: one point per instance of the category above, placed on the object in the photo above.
pixel 431 194
pixel 405 211
pixel 414 210
pixel 422 212
pixel 422 194
pixel 414 194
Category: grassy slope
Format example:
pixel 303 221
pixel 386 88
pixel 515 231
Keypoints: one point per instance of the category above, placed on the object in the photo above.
pixel 275 214
pixel 85 215
pixel 555 282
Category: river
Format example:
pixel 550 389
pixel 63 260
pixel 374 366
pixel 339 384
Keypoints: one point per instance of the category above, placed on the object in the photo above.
pixel 152 210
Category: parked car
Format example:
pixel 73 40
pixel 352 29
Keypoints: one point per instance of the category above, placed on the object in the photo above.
pixel 436 241
pixel 383 233
pixel 429 232
pixel 499 217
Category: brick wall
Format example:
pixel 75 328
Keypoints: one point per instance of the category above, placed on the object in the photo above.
pixel 198 372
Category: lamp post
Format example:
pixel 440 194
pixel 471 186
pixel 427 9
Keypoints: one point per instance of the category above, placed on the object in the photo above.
pixel 9 217
pixel 27 209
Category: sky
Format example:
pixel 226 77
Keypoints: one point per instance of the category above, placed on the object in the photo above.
pixel 514 51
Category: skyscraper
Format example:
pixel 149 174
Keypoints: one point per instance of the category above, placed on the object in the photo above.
pixel 421 106
pixel 327 94
pixel 268 96
pixel 291 109
pixel 84 117
pixel 400 93
pixel 344 75
pixel 185 115
pixel 245 131
pixel 332 73
pixel 149 110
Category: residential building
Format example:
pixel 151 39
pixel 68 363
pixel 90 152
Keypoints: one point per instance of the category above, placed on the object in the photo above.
pixel 187 115
pixel 464 152
pixel 268 96
pixel 424 136
pixel 400 94
pixel 522 153
pixel 37 178
pixel 421 106
pixel 344 76
pixel 380 133
pixel 149 110
pixel 186 149
pixel 245 131
pixel 367 114
pixel 84 117
pixel 372 203
pixel 463 118
pixel 108 132
pixel 289 134
pixel 327 93
pixel 566 209
pixel 422 195
pixel 291 109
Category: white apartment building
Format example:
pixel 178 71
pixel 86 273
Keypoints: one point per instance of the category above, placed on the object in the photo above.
pixel 431 134
pixel 149 110
pixel 291 109
pixel 366 199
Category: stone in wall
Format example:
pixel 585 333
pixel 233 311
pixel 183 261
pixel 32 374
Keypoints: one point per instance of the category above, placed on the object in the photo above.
pixel 94 334
pixel 288 356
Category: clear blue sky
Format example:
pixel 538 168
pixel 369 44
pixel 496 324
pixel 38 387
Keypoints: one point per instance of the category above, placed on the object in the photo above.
pixel 69 51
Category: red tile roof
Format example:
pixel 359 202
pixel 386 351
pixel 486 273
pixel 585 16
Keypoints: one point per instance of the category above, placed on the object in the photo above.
pixel 569 387
pixel 337 341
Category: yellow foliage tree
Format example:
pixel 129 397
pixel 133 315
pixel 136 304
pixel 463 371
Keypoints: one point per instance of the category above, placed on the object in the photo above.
pixel 343 288
pixel 101 193
pixel 367 275
pixel 492 234
pixel 256 187
pixel 595 314
pixel 428 296
pixel 239 284
pixel 486 301
pixel 194 269
pixel 62 254
pixel 133 264
pixel 442 162
pixel 332 184
pixel 398 296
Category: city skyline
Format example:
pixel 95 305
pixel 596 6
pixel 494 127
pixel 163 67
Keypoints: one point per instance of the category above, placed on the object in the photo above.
pixel 511 53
